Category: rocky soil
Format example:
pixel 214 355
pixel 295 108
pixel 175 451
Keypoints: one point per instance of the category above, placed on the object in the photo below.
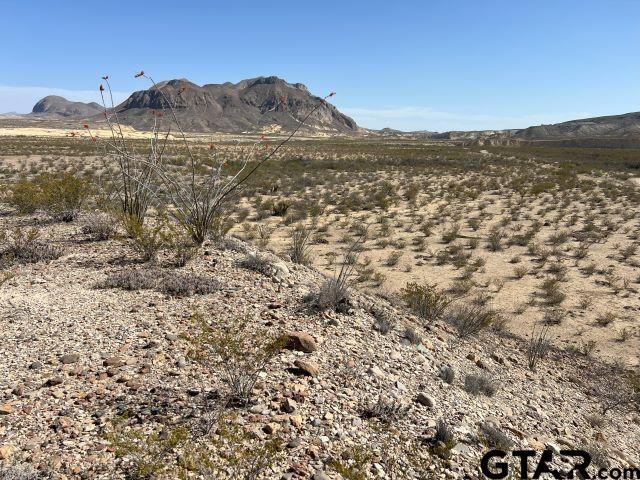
pixel 77 361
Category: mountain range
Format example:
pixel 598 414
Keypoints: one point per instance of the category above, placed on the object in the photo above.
pixel 248 105
pixel 272 103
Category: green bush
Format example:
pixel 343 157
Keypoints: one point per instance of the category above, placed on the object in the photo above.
pixel 59 194
pixel 426 300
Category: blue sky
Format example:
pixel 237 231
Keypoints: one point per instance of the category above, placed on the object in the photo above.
pixel 433 65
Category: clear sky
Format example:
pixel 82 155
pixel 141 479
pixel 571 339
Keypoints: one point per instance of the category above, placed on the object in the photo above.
pixel 432 65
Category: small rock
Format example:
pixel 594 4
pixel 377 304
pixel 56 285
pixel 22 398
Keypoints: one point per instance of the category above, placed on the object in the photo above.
pixel 271 428
pixel 54 381
pixel 6 451
pixel 6 409
pixel 461 449
pixel 69 358
pixel 289 405
pixel 426 400
pixel 300 341
pixel 113 362
pixel 36 366
pixel 296 442
pixel 307 367
pixel 181 363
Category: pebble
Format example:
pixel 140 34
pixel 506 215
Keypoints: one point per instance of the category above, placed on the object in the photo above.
pixel 425 400
pixel 69 358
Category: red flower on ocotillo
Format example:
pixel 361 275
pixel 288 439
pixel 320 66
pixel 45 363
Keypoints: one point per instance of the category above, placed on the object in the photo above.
pixel 139 74
pixel 101 88
pixel 332 94
pixel 106 77
pixel 85 126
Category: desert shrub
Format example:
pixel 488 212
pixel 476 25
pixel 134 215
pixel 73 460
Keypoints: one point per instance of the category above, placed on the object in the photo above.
pixel 99 226
pixel 176 284
pixel 520 271
pixel 280 208
pixel 334 291
pixel 22 472
pixel 599 456
pixel 469 320
pixel 551 293
pixel 426 300
pixel 5 276
pixel 558 238
pixel 131 279
pixel 443 439
pixel 615 389
pixel 257 263
pixel 185 285
pixel 553 316
pixel 494 239
pixel 605 319
pixel 480 384
pixel 492 437
pixel 184 250
pixel 300 245
pixel 451 233
pixel 596 421
pixel 393 259
pixel 147 240
pixel 581 251
pixel 537 347
pixel 25 196
pixel 333 294
pixel 447 373
pixel 386 410
pixel 231 243
pixel 147 453
pixel 182 451
pixel 588 348
pixel 628 251
pixel 474 223
pixel 353 464
pixel 62 194
pixel 25 246
pixel 239 355
pixel 624 334
pixel 383 320
pixel 461 287
pixel 412 336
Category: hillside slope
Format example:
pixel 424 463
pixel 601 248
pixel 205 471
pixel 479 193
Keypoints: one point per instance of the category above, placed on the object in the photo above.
pixel 79 364
pixel 618 126
pixel 59 106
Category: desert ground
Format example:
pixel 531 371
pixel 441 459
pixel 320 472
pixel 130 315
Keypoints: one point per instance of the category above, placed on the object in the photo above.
pixel 493 302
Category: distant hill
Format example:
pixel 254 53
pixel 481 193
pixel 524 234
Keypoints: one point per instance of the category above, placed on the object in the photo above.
pixel 244 106
pixel 272 103
pixel 61 107
pixel 617 126
pixel 610 131
pixel 249 105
